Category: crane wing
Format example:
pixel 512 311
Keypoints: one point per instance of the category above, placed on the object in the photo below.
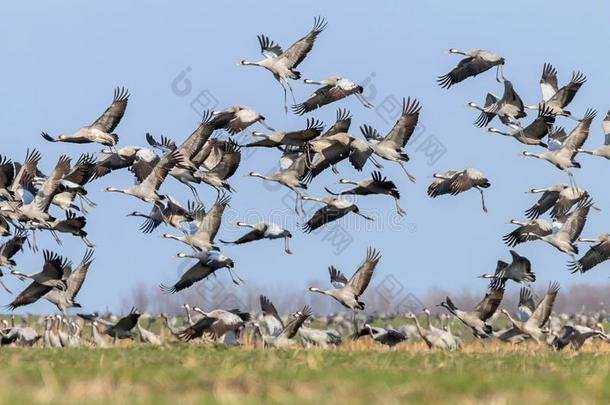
pixel 109 120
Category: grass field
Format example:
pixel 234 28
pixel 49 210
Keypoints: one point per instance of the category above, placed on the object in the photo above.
pixel 358 374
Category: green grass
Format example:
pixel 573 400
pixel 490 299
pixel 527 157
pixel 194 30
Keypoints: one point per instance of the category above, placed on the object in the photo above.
pixel 196 374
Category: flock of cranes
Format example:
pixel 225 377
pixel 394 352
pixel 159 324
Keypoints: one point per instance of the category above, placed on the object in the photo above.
pixel 31 199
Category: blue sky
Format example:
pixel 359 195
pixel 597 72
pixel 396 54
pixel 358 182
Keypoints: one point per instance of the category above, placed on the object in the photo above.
pixel 62 60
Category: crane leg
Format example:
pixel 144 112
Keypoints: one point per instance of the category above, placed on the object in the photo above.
pixel 410 176
pixel 195 193
pixel 285 97
pixel 363 100
pixel 34 246
pixel 286 246
pixel 399 210
pixel 364 216
pixel 377 164
pixel 81 203
pixel 234 277
pixel 88 201
pixel 5 287
pixel 88 242
pixel 299 203
pixel 572 180
pixel 291 92
pixel 54 234
pixel 482 200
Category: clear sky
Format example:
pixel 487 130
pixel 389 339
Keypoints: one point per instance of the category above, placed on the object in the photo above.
pixel 62 60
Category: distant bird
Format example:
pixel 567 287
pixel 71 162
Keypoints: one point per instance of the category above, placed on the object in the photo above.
pixel 44 281
pixel 115 160
pixel 377 184
pixel 332 149
pixel 342 123
pixel 72 184
pixel 603 151
pixel 72 225
pixel 170 213
pixel 445 334
pixel 476 320
pixel 390 147
pixel 148 337
pixel 534 324
pixel 237 118
pixel 324 339
pixel 37 209
pixel 22 176
pixel 570 230
pixel 8 250
pixel 123 328
pixel 262 230
pixel 388 337
pixel 432 339
pixel 556 99
pixel 295 177
pixel 348 292
pixel 96 337
pixel 290 138
pixel 282 63
pixel 454 182
pixel 334 88
pixel 526 307
pixel 563 158
pixel 476 61
pixel 74 279
pixel 508 109
pixel 576 335
pixel 558 198
pixel 216 323
pixel 101 130
pixel 281 335
pixel 204 227
pixel 207 264
pixel 148 189
pixel 534 133
pixel 190 150
pixel 597 254
pixel 224 169
pixel 519 270
pixel 334 208
pixel 539 226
